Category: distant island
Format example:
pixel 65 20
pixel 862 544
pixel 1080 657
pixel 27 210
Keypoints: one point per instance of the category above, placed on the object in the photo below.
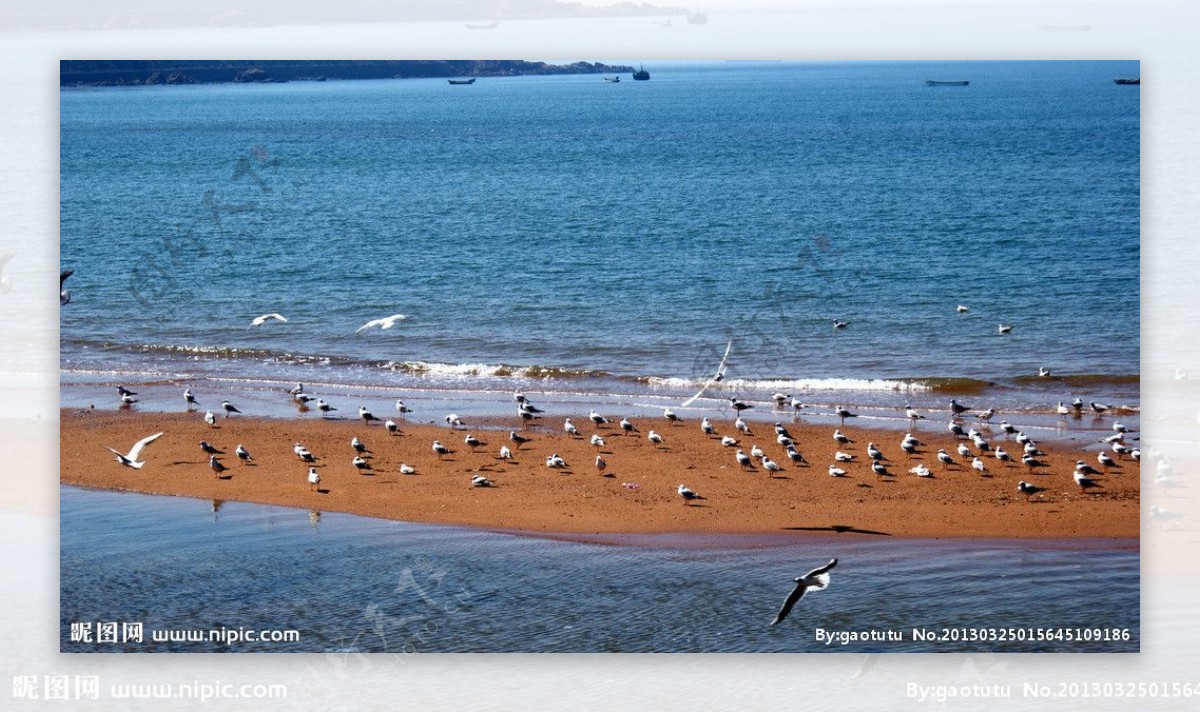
pixel 122 73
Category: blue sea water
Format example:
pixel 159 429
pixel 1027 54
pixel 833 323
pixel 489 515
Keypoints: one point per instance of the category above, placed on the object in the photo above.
pixel 577 236
pixel 352 585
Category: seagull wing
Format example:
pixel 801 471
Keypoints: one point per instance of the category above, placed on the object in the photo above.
pixel 795 595
pixel 368 325
pixel 62 275
pixel 715 377
pixel 822 570
pixel 389 322
pixel 136 451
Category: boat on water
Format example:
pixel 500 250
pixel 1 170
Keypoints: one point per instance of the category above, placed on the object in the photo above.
pixel 697 18
pixel 613 80
pixel 641 75
pixel 947 82
pixel 1127 80
pixel 482 25
pixel 462 81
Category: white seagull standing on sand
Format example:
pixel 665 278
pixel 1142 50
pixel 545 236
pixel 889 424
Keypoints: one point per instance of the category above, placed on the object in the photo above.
pixel 597 418
pixel 742 459
pixel 314 479
pixel 406 469
pixel 815 580
pixel 505 453
pixel 243 454
pixel 391 426
pixel 366 415
pixel 597 441
pixel 478 481
pixel 921 471
pixel 756 451
pixel 382 322
pixel 570 428
pixel 729 441
pixel 770 465
pixel 303 453
pixel 259 321
pixel 707 427
pixel 741 425
pixel 687 493
pixel 210 419
pixel 978 465
pixel 130 459
pixel 842 457
pixel 654 438
pixel 836 471
pixel 1029 489
pixel 670 415
pixel 944 457
pixel 440 449
pixel 190 398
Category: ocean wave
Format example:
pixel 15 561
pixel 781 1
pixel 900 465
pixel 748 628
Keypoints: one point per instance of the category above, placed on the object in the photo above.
pixel 796 385
pixel 443 369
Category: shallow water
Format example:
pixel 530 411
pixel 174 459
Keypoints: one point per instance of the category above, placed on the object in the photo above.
pixel 352 584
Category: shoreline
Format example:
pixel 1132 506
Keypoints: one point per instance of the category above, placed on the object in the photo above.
pixel 639 498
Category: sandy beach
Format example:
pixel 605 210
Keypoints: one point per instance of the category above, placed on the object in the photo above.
pixel 635 494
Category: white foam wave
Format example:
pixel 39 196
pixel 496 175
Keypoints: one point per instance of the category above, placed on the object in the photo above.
pixel 796 385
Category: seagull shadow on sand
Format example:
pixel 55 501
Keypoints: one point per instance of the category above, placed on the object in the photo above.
pixel 841 529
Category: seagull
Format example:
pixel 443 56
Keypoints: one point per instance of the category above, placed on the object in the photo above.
pixel 795 456
pixel 962 308
pixel 921 471
pixel 980 443
pixel 190 399
pixel 131 458
pixel 505 453
pixel 1063 409
pixel 1085 469
pixel 756 452
pixel 600 464
pixel 912 413
pixel 570 428
pixel 838 324
pixel 627 426
pixel 670 415
pixel 440 449
pixel 210 419
pixel 1121 449
pixel 688 494
pixel 303 453
pixel 908 447
pixel 303 399
pixel 324 408
pixel 230 409
pixel 392 427
pixel 841 457
pixel 770 465
pixel 841 437
pixel 478 481
pixel 797 404
pixel 597 418
pixel 957 430
pixel 781 399
pixel 555 461
pixel 1106 460
pixel 784 440
pixel 707 427
pixel 1004 328
pixel 844 414
pixel 958 409
pixel 259 321
pixel 836 471
pixel 978 465
pixel 742 459
pixel 127 400
pixel 406 469
pixel 597 441
pixel 1098 408
pixel 314 479
pixel 1043 372
pixel 986 415
pixel 964 450
pixel 517 438
pixel 781 430
pixel 739 406
pixel 815 580
pixel 527 414
pixel 210 449
pixel 654 438
pixel 729 441
pixel 361 464
pixel 473 442
pixel 401 408
pixel 879 468
pixel 1077 404
pixel 298 390
pixel 366 415
pixel 243 454
pixel 742 426
pixel 122 391
pixel 1029 489
pixel 874 452
pixel 944 457
pixel 358 446
pixel 1120 427
pixel 1008 427
pixel 1031 462
pixel 217 466
pixel 382 322
pixel 1085 482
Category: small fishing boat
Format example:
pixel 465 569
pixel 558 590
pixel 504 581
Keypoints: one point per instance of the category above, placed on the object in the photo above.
pixel 947 82
pixel 462 81
pixel 613 80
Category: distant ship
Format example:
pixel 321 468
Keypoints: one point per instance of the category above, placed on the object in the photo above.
pixel 614 80
pixel 947 82
pixel 641 75
pixel 1127 80
pixel 462 81
pixel 697 18
pixel 482 25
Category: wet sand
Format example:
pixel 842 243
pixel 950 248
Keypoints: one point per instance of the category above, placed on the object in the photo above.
pixel 636 493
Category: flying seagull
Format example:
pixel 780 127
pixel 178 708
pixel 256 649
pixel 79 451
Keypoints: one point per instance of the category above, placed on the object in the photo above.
pixel 815 580
pixel 259 321
pixel 712 380
pixel 382 323
pixel 64 295
pixel 131 458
